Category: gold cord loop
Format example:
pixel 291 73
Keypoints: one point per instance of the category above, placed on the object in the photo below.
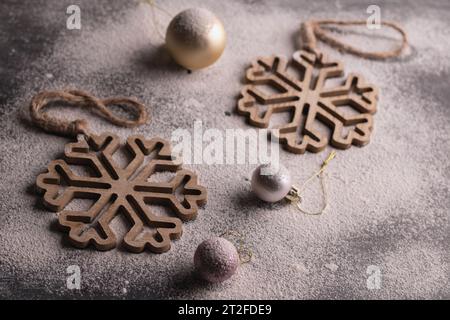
pixel 156 25
pixel 245 253
pixel 295 194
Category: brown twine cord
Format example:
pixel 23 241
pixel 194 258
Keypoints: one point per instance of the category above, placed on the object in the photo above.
pixel 312 30
pixel 84 100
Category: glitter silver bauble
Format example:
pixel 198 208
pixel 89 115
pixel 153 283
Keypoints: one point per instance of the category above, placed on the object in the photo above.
pixel 271 183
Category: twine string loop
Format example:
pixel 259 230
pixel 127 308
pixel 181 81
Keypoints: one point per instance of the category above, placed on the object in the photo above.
pixel 311 31
pixel 84 100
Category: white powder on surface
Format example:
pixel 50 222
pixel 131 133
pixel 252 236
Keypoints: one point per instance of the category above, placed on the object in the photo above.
pixel 389 201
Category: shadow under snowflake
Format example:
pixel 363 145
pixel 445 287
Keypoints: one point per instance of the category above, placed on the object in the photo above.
pixel 116 190
pixel 298 88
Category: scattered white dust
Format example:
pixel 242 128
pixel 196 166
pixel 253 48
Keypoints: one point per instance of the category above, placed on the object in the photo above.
pixel 388 201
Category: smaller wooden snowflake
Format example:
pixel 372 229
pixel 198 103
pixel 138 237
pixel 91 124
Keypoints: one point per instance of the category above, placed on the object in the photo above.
pixel 117 190
pixel 299 88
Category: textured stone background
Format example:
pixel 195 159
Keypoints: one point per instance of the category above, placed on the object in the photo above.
pixel 389 200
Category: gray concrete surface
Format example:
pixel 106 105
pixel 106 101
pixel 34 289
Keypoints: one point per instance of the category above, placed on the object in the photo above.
pixel 389 201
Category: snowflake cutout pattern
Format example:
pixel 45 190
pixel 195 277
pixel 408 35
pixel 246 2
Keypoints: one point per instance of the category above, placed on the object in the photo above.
pixel 115 190
pixel 299 88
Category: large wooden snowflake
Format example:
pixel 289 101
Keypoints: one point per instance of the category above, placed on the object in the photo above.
pixel 117 190
pixel 299 88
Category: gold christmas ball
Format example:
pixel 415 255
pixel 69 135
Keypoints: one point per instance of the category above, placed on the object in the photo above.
pixel 195 38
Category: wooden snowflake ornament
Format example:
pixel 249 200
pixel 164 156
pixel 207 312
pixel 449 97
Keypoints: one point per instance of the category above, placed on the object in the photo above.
pixel 299 87
pixel 117 190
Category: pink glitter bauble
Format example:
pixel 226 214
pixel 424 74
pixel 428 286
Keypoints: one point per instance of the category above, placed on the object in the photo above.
pixel 216 259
